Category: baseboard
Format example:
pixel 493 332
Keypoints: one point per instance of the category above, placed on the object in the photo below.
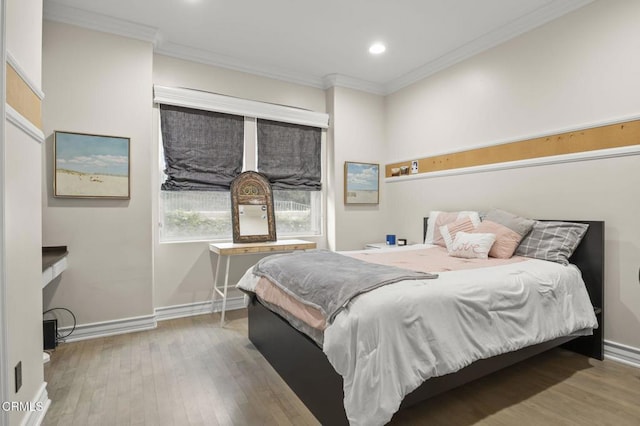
pixel 612 350
pixel 40 406
pixel 109 328
pixel 622 353
pixel 180 311
pixel 148 322
pixel 198 308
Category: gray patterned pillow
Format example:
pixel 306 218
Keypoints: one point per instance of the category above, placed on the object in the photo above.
pixel 553 241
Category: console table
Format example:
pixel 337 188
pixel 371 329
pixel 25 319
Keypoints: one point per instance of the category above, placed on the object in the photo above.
pixel 229 250
pixel 54 261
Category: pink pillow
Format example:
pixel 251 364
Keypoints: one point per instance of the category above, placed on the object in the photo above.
pixel 507 240
pixel 448 232
pixel 439 218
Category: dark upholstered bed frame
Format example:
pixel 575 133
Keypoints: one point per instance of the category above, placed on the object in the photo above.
pixel 306 369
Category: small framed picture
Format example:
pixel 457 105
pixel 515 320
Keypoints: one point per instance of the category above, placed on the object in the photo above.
pixel 91 166
pixel 361 183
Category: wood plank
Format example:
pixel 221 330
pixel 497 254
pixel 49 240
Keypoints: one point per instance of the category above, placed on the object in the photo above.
pixel 230 249
pixel 597 138
pixel 189 371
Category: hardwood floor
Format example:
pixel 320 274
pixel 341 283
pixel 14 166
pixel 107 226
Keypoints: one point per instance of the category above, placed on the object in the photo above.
pixel 189 371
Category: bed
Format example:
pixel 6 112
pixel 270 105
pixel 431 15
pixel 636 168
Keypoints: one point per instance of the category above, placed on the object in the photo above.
pixel 306 369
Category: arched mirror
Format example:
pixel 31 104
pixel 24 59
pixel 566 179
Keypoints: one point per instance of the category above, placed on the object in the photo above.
pixel 252 213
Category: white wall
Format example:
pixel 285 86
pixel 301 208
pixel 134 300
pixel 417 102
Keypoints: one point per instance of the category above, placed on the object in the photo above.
pixel 23 262
pixel 574 72
pixel 99 84
pixel 24 35
pixel 22 215
pixel 4 327
pixel 357 134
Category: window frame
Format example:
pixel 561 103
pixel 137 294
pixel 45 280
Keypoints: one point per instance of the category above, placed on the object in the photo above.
pixel 251 111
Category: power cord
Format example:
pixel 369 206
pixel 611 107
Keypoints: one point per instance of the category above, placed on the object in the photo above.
pixel 59 336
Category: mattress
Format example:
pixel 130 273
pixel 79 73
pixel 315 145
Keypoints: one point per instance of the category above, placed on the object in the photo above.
pixel 428 328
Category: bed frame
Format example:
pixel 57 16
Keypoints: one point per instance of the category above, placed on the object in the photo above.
pixel 307 371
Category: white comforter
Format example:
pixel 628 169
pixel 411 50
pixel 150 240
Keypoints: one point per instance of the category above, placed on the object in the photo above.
pixel 388 341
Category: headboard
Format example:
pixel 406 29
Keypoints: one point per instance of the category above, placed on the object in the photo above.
pixel 589 258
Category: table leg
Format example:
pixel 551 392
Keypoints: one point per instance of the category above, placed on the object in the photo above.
pixel 214 294
pixel 224 297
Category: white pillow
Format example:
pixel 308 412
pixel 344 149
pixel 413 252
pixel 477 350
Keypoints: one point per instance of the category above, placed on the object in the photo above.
pixel 472 246
pixel 438 219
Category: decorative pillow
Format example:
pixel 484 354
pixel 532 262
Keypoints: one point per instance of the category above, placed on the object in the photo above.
pixel 509 229
pixel 472 245
pixel 438 219
pixel 450 230
pixel 553 241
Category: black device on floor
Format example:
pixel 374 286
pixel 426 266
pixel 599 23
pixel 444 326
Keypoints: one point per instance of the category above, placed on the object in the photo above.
pixel 50 333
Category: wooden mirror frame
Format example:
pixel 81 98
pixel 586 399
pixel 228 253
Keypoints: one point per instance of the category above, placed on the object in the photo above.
pixel 252 188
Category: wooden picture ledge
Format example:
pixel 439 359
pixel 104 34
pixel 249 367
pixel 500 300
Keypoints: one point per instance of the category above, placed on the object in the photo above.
pixel 597 138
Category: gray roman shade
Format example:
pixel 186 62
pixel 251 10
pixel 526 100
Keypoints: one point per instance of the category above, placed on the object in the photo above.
pixel 203 150
pixel 289 155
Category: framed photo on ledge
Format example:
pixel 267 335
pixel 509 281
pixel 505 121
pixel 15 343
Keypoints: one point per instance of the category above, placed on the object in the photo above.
pixel 91 166
pixel 361 183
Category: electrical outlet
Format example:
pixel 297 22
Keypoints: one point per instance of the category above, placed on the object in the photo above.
pixel 18 375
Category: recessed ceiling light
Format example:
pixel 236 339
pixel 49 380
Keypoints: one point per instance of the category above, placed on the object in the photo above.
pixel 377 48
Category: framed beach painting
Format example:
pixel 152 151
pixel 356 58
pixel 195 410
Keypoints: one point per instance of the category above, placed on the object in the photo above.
pixel 361 183
pixel 91 166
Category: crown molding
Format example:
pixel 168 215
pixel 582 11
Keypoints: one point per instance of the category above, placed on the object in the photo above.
pixel 223 61
pixel 69 15
pixel 338 80
pixel 94 21
pixel 500 35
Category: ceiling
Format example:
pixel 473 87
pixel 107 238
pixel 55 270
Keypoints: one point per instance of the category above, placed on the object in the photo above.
pixel 318 43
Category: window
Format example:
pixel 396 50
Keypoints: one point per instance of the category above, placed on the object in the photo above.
pixel 193 214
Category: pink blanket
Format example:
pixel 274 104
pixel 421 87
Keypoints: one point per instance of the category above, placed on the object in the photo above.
pixel 434 259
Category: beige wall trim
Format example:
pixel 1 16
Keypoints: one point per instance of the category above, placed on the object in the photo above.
pixel 22 98
pixel 623 137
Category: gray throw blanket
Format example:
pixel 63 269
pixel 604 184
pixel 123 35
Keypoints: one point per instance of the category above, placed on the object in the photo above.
pixel 327 280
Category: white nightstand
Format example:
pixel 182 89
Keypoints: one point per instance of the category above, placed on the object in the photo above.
pixel 373 246
pixel 377 246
